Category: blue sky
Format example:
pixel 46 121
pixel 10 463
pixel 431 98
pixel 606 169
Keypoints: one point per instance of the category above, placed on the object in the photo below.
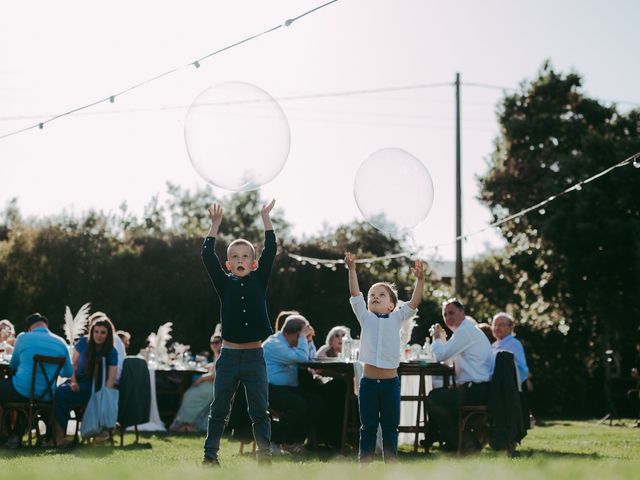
pixel 57 56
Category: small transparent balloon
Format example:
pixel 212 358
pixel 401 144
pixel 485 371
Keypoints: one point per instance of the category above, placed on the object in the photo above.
pixel 393 190
pixel 237 136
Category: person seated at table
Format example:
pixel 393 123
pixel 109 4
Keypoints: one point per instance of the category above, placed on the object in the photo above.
pixel 88 353
pixel 502 328
pixel 332 390
pixel 486 329
pixel 7 336
pixel 298 408
pixel 125 338
pixel 333 344
pixel 36 340
pixel 193 415
pixel 282 316
pixel 121 347
pixel 474 361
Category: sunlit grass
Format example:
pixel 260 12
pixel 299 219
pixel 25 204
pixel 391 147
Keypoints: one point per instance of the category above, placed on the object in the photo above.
pixel 558 450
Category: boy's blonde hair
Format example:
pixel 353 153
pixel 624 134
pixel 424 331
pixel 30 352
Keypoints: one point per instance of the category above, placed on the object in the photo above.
pixel 391 290
pixel 242 241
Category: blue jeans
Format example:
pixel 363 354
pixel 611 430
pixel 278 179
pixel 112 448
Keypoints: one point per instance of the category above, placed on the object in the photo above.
pixel 379 402
pixel 232 368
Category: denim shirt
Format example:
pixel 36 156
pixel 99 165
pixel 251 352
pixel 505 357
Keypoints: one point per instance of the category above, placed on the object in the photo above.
pixel 39 341
pixel 282 359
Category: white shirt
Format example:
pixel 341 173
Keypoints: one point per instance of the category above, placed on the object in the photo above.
pixel 119 346
pixel 380 337
pixel 471 353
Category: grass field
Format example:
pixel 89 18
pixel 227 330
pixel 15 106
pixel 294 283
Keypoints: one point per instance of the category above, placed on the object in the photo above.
pixel 558 450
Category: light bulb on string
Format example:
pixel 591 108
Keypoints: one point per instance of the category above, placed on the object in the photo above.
pixel 636 162
pixel 542 211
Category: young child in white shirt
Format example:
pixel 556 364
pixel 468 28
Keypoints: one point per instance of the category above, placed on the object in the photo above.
pixel 379 389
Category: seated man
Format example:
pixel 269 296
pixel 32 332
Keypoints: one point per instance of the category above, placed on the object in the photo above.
pixel 473 359
pixel 36 340
pixel 283 351
pixel 502 329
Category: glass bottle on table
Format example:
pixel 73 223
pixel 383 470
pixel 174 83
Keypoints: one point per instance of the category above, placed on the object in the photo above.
pixel 427 350
pixel 347 342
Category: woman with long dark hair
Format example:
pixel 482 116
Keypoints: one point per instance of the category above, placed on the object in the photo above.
pixel 88 353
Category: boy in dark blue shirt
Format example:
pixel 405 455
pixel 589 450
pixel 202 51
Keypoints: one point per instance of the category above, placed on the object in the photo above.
pixel 245 323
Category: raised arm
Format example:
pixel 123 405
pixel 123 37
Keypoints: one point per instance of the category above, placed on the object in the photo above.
pixel 266 219
pixel 209 257
pixel 215 214
pixel 350 262
pixel 268 255
pixel 418 271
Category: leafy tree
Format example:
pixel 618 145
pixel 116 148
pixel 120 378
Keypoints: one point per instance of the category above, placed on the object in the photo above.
pixel 574 264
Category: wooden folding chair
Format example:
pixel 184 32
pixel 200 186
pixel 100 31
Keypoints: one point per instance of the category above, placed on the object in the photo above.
pixel 44 403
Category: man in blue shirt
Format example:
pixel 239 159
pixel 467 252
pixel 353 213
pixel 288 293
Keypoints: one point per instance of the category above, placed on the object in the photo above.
pixel 502 328
pixel 298 408
pixel 36 340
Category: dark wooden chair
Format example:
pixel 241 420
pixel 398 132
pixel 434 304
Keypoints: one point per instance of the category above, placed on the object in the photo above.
pixel 42 405
pixel 501 422
pixel 477 419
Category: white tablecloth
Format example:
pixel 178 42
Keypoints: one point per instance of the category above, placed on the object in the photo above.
pixel 154 424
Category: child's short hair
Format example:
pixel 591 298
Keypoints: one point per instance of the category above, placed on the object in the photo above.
pixel 391 290
pixel 242 241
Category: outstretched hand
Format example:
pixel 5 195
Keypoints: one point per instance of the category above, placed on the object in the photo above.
pixel 215 213
pixel 350 260
pixel 266 209
pixel 418 270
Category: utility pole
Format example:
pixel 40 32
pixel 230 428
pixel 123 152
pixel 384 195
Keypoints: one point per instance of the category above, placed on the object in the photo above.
pixel 459 283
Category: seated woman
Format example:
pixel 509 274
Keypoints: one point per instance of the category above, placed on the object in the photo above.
pixel 193 414
pixel 7 336
pixel 87 357
pixel 333 345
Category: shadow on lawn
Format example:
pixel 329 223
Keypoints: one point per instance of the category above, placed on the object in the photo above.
pixel 84 450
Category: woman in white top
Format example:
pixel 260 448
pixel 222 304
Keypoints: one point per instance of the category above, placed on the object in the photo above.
pixel 333 345
pixel 379 390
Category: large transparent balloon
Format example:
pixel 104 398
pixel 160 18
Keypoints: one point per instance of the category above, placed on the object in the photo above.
pixel 393 190
pixel 237 136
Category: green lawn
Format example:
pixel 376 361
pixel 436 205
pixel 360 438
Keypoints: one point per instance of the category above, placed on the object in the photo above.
pixel 557 450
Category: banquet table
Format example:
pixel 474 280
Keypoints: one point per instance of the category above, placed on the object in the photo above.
pixel 167 387
pixel 415 378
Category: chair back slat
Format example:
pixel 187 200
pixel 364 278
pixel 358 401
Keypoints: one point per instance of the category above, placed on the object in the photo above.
pixel 39 362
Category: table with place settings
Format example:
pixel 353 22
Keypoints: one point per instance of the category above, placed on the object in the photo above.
pixel 415 384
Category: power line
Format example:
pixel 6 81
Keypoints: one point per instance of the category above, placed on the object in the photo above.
pixel 286 98
pixel 309 96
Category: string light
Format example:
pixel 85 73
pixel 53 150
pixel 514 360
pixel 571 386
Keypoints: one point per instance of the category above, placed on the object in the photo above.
pixel 633 159
pixel 195 63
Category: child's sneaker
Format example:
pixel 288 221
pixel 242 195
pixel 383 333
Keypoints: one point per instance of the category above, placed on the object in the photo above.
pixel 210 461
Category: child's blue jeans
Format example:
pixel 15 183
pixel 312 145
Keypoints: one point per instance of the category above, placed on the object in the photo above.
pixel 232 368
pixel 379 402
